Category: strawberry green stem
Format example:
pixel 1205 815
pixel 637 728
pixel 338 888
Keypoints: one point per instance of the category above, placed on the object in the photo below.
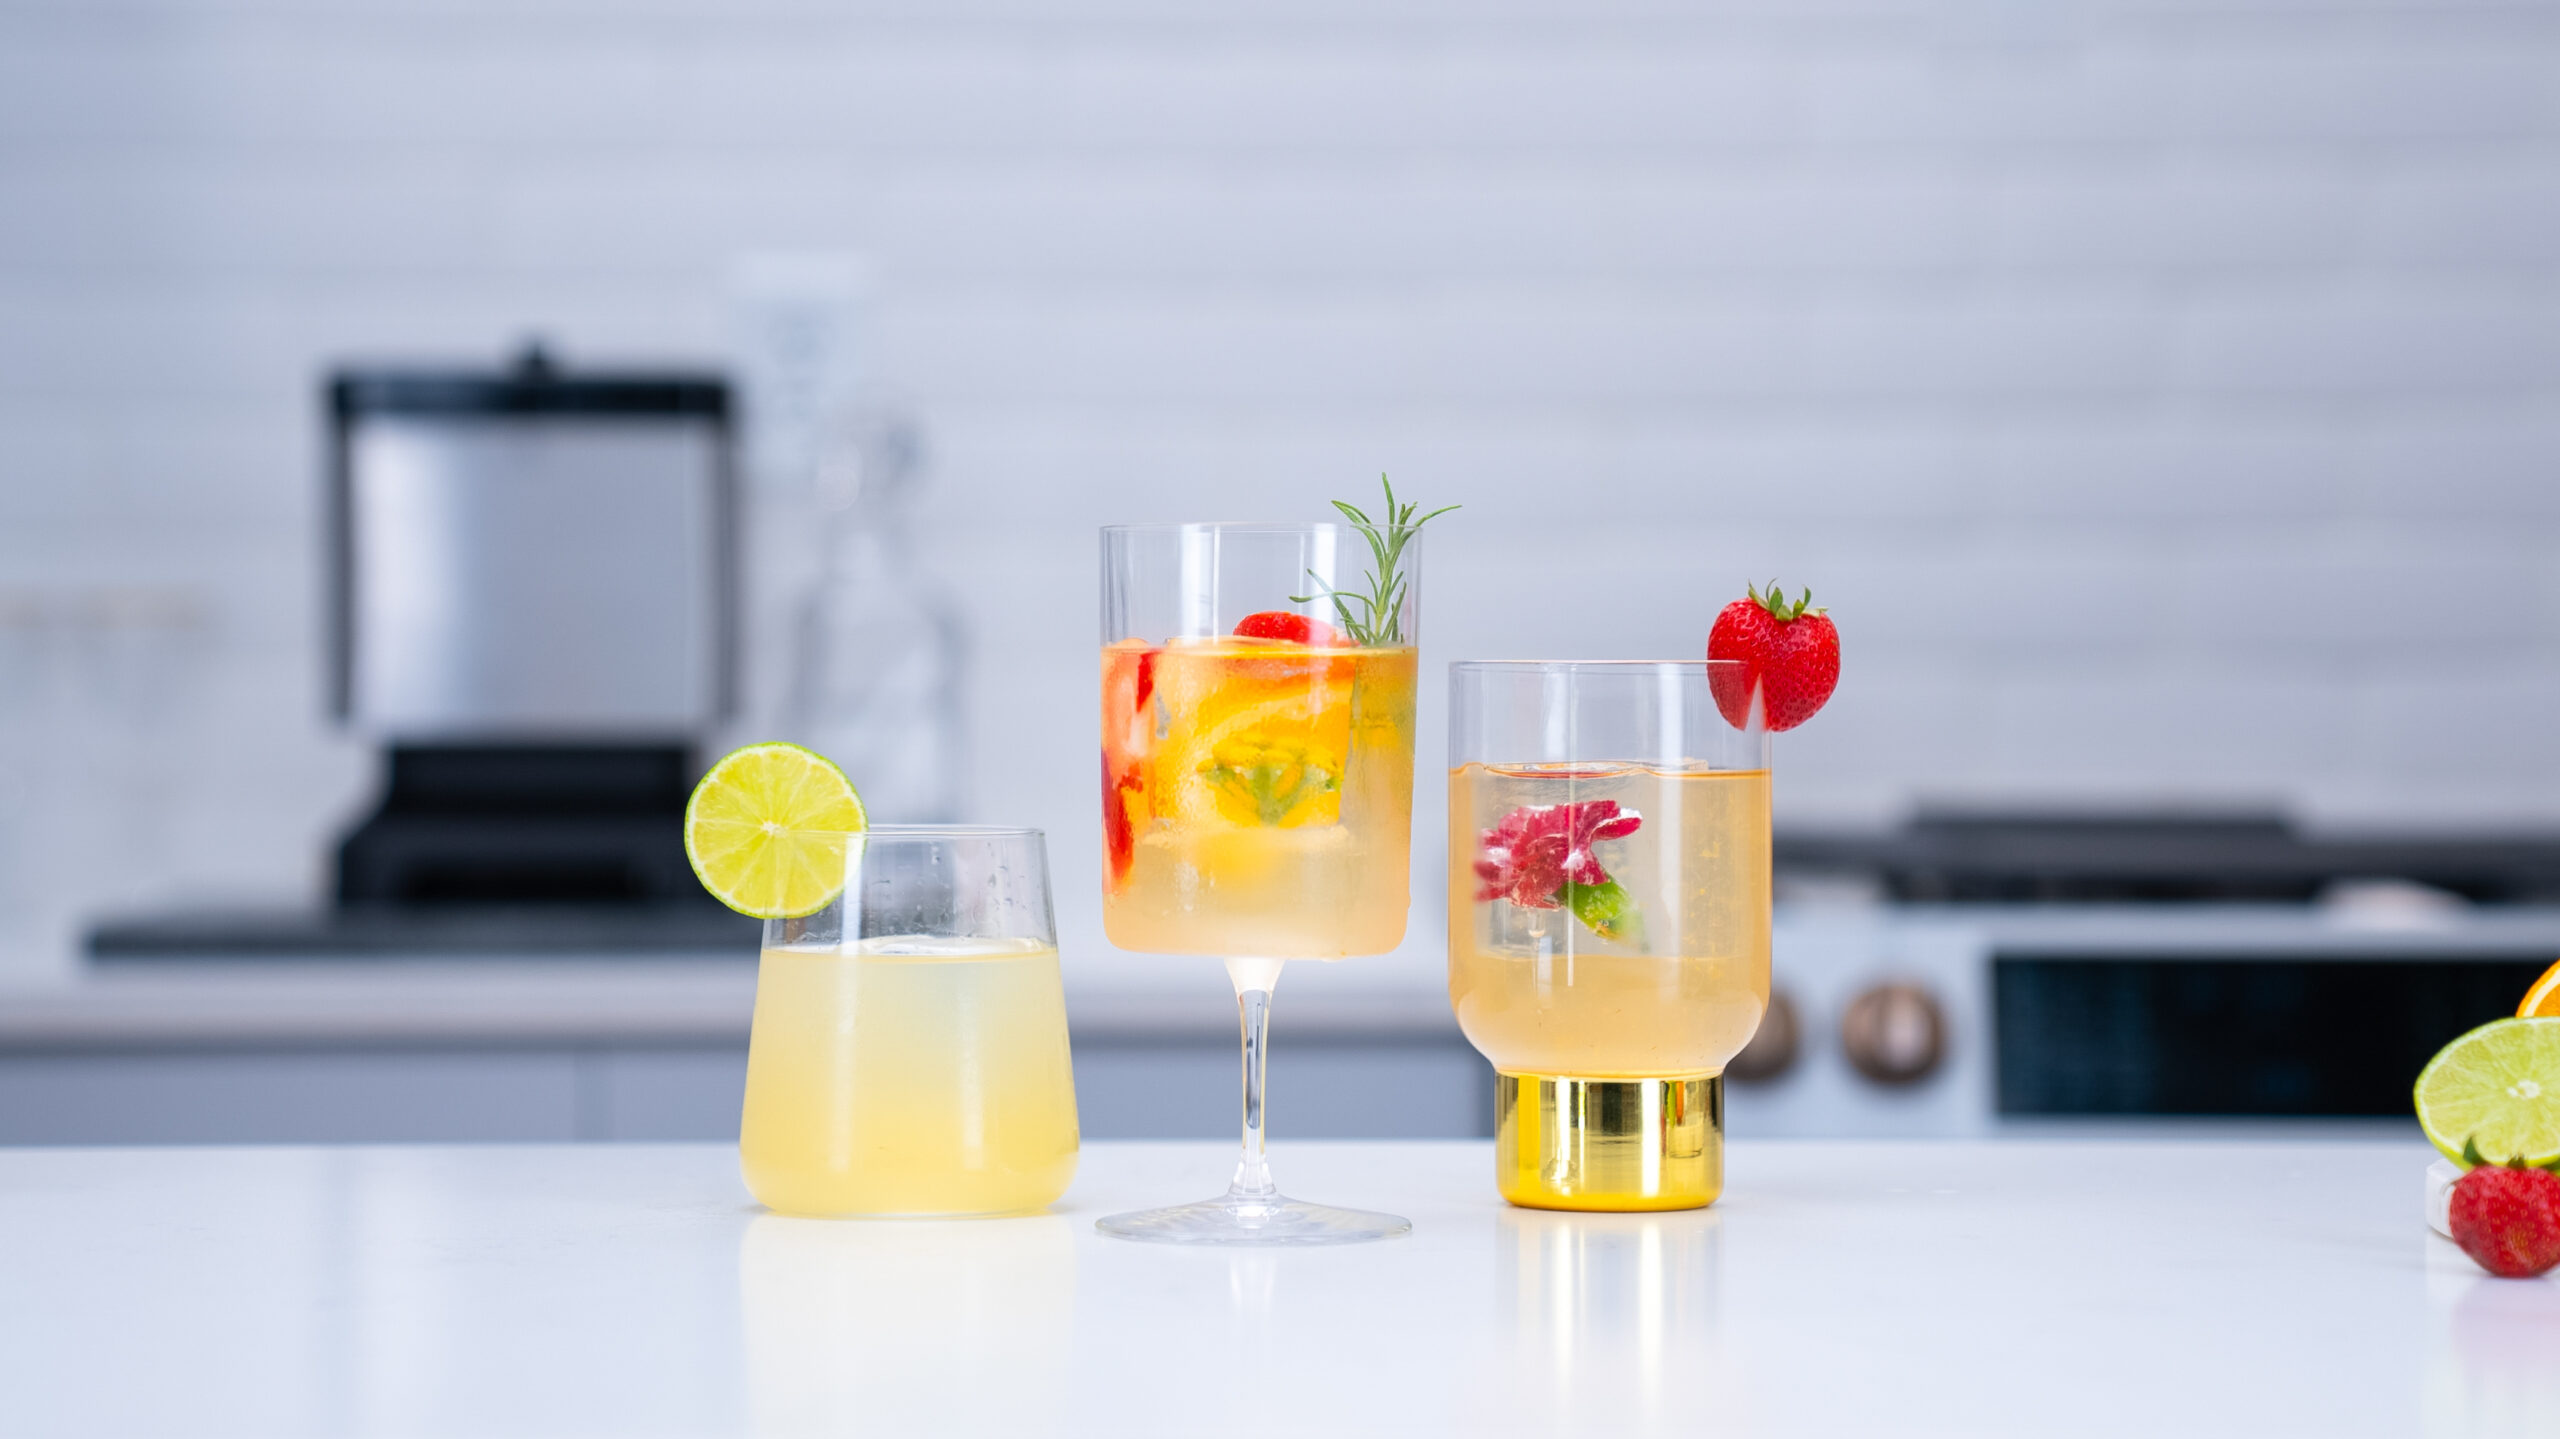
pixel 1779 606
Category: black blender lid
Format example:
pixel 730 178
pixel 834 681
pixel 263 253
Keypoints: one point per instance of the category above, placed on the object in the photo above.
pixel 534 385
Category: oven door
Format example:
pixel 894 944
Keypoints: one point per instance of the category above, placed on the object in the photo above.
pixel 2038 1015
pixel 2270 1035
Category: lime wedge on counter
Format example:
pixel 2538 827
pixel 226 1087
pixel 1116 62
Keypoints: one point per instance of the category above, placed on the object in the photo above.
pixel 768 827
pixel 2498 1087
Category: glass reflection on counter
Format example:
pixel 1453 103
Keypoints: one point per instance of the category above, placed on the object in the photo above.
pixel 1612 1316
pixel 888 1327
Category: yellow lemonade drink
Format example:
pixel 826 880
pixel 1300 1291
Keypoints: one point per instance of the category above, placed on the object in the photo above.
pixel 1257 797
pixel 1609 950
pixel 909 1075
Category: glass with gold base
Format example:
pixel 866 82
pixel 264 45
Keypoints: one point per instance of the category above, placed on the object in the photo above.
pixel 1608 920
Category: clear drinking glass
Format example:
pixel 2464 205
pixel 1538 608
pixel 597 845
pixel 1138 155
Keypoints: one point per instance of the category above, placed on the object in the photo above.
pixel 1257 790
pixel 909 1055
pixel 1608 920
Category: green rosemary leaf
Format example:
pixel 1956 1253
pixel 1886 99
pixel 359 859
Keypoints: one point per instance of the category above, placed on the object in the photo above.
pixel 1375 618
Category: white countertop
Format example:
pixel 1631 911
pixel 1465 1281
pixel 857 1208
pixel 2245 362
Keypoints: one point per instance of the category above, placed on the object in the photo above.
pixel 2027 1288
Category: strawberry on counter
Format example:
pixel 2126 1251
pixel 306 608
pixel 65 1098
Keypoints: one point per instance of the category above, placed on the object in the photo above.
pixel 2507 1217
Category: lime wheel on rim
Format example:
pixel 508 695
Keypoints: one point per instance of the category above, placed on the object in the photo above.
pixel 769 828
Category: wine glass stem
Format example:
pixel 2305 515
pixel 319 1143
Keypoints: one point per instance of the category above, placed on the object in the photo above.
pixel 1254 980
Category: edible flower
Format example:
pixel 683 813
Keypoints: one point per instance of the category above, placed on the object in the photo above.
pixel 1537 850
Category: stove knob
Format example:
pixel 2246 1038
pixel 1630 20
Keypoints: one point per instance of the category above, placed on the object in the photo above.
pixel 1894 1033
pixel 1773 1047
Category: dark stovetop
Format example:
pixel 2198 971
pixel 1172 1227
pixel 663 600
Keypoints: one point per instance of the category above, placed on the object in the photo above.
pixel 2096 858
pixel 565 931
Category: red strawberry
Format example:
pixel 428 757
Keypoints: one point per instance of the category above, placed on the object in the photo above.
pixel 1297 629
pixel 1119 836
pixel 1790 653
pixel 2508 1219
pixel 1128 737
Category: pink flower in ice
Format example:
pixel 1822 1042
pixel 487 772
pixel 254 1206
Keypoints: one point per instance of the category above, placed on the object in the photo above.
pixel 1527 858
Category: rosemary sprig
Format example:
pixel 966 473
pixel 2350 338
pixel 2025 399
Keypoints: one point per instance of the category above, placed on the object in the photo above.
pixel 1377 617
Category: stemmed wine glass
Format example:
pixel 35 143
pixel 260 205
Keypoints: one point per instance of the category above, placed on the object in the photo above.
pixel 1257 787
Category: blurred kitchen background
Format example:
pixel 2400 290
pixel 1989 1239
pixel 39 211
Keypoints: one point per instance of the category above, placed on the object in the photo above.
pixel 2165 398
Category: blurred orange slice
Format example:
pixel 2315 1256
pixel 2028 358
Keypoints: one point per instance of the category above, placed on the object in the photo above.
pixel 2544 998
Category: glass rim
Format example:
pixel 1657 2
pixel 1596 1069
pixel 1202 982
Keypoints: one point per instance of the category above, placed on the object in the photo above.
pixel 948 831
pixel 1596 666
pixel 1247 527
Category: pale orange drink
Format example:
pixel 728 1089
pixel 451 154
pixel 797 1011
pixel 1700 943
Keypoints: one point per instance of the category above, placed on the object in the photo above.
pixel 1677 985
pixel 1258 797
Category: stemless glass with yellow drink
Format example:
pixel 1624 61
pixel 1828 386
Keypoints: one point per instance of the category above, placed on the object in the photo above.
pixel 1608 921
pixel 909 1051
pixel 1257 786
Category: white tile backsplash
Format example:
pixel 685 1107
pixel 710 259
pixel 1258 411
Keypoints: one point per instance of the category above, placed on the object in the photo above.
pixel 2167 397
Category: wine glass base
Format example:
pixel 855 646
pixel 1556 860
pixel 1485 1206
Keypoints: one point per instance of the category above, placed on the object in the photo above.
pixel 1242 1221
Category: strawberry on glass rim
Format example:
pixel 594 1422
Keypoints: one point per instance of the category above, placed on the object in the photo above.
pixel 1788 655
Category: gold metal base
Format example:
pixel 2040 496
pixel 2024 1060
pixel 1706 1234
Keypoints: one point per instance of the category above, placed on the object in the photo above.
pixel 1609 1144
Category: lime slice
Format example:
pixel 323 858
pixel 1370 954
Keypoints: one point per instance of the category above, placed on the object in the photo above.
pixel 2544 997
pixel 767 830
pixel 2497 1087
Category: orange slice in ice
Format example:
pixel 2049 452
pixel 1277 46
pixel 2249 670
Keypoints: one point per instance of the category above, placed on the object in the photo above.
pixel 1247 747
